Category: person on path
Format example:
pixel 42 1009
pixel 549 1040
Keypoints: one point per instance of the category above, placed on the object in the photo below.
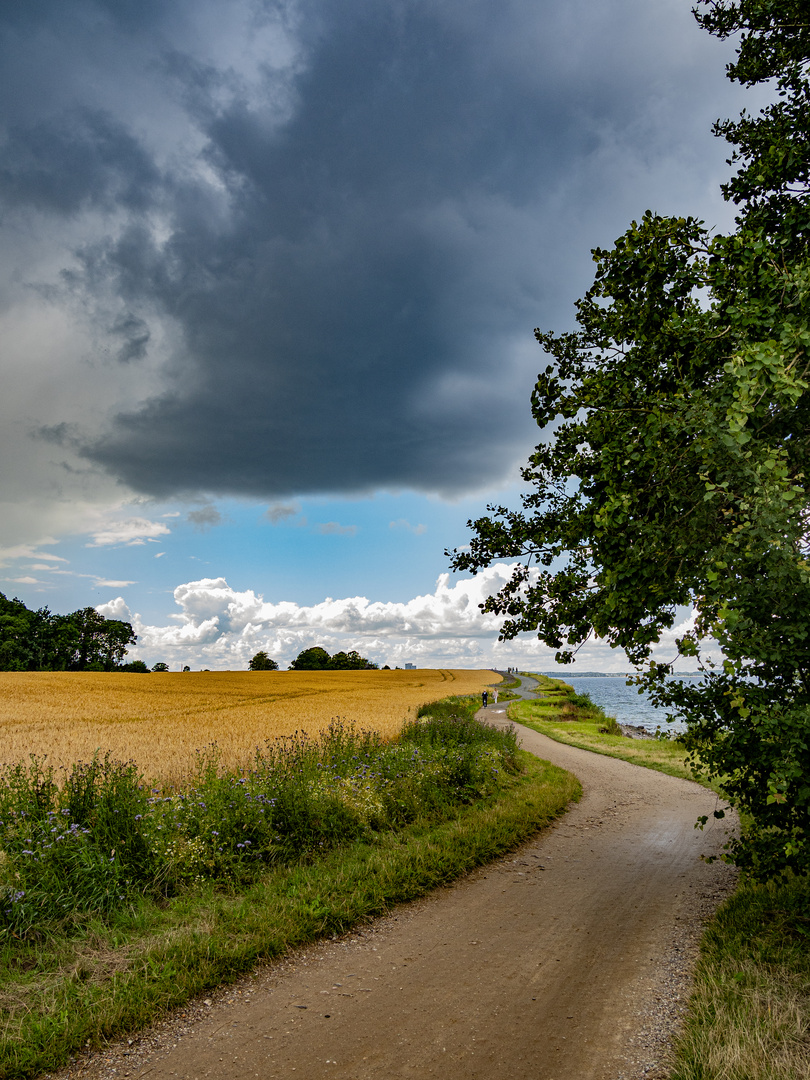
pixel 484 698
pixel 494 697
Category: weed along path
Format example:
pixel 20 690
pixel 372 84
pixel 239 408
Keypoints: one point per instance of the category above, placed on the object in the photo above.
pixel 567 960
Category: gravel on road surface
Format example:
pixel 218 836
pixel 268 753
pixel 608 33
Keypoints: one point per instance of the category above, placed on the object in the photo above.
pixel 568 960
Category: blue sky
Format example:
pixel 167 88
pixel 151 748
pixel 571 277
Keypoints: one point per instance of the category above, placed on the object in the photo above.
pixel 269 274
pixel 386 547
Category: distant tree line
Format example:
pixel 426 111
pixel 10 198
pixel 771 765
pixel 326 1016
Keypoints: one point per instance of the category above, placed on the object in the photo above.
pixel 316 659
pixel 319 660
pixel 86 641
pixel 42 641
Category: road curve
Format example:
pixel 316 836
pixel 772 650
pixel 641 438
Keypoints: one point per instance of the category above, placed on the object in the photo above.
pixel 526 688
pixel 546 965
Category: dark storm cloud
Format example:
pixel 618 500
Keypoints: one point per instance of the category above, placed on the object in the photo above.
pixel 76 160
pixel 351 242
pixel 135 335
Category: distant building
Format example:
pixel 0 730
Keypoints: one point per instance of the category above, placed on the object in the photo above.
pixel 410 667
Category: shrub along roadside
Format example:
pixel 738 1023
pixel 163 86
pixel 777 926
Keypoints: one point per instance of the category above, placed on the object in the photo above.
pixel 99 836
pixel 100 974
pixel 749 1013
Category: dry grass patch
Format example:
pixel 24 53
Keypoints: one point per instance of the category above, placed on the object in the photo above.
pixel 749 1016
pixel 160 720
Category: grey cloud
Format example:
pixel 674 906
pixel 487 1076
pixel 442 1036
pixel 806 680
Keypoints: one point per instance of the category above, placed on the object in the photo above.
pixel 135 333
pixel 281 512
pixel 334 528
pixel 131 12
pixel 78 159
pixel 204 518
pixel 349 248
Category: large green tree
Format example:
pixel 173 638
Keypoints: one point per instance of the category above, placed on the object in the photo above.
pixel 349 661
pixel 318 659
pixel 24 636
pixel 42 641
pixel 86 641
pixel 262 662
pixel 314 659
pixel 672 471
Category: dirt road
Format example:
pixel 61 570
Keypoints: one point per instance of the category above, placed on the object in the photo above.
pixel 565 961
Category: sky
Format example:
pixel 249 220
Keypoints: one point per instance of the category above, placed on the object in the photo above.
pixel 269 275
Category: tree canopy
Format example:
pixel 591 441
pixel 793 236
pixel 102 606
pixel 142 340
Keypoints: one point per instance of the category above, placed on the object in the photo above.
pixel 42 641
pixel 262 662
pixel 676 422
pixel 349 661
pixel 318 659
pixel 136 666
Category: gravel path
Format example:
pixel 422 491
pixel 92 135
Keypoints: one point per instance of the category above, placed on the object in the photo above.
pixel 568 960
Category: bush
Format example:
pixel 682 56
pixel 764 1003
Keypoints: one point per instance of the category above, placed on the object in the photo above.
pixel 78 847
pixel 610 727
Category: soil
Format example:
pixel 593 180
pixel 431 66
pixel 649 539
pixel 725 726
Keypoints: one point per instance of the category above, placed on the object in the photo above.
pixel 568 960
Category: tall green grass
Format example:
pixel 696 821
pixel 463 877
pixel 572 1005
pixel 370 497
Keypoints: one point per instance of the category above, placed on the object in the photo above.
pixel 99 835
pixel 749 1014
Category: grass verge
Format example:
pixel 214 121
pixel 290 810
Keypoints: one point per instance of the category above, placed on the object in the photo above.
pixel 68 985
pixel 573 718
pixel 504 688
pixel 749 1013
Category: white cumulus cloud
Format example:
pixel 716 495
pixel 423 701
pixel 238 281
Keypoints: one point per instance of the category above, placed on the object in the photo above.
pixel 403 523
pixel 116 609
pixel 129 531
pixel 219 627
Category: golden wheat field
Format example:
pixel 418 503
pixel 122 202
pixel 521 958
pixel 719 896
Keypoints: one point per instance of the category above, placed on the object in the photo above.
pixel 160 720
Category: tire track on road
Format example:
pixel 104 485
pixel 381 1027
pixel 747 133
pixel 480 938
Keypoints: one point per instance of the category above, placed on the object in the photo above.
pixel 568 960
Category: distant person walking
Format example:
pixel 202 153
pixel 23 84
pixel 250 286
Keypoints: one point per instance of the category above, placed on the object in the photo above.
pixel 494 697
pixel 485 698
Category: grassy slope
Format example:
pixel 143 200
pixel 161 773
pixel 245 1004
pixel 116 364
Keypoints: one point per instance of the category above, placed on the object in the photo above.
pixel 544 716
pixel 749 1015
pixel 555 716
pixel 59 994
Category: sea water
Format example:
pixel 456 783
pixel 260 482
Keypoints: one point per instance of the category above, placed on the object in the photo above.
pixel 624 702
